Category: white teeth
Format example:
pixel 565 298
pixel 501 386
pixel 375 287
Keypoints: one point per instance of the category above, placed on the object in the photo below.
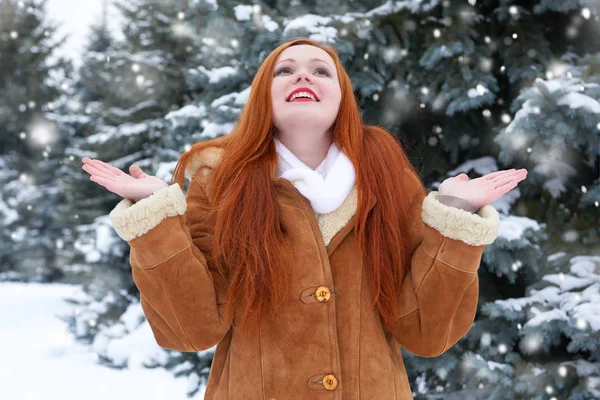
pixel 303 94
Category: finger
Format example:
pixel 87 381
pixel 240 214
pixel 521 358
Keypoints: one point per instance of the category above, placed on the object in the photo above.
pixel 108 184
pixel 134 171
pixel 508 175
pixel 505 180
pixel 521 175
pixel 92 170
pixel 506 186
pixel 101 181
pixel 137 172
pixel 107 168
pixel 509 186
pixel 496 174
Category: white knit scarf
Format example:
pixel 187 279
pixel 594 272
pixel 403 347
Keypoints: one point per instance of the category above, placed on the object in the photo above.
pixel 327 186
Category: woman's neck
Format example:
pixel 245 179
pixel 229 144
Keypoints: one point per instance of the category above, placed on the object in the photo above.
pixel 310 152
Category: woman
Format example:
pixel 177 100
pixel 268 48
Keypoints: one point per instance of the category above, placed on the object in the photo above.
pixel 306 249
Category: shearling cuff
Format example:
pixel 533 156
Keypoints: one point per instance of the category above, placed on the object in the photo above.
pixel 132 219
pixel 474 229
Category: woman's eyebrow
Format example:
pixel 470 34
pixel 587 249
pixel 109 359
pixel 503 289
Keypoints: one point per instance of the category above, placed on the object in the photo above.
pixel 312 59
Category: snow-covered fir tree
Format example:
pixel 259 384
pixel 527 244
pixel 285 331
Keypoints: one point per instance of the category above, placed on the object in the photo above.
pixel 114 110
pixel 469 86
pixel 30 147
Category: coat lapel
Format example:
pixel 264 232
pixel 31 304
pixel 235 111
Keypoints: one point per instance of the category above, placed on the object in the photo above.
pixel 334 226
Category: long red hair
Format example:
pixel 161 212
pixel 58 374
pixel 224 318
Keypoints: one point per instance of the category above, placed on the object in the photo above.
pixel 249 247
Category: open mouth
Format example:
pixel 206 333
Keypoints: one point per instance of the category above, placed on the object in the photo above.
pixel 302 95
pixel 302 100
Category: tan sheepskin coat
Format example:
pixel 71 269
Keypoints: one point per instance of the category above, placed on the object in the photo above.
pixel 325 344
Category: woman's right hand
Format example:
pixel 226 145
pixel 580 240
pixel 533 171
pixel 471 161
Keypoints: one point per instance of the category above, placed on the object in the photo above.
pixel 134 186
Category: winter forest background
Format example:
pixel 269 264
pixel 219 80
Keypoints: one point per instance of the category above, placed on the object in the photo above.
pixel 468 86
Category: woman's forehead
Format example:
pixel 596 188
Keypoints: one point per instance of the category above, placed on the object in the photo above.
pixel 305 51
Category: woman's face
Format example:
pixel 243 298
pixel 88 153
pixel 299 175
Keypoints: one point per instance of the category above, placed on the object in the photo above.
pixel 311 70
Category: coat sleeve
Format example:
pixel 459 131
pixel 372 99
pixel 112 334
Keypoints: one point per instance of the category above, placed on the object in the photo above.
pixel 168 236
pixel 438 299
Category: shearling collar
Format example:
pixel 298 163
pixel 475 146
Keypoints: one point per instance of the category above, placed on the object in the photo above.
pixel 330 224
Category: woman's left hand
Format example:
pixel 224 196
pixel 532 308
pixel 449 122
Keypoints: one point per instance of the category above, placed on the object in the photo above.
pixel 483 190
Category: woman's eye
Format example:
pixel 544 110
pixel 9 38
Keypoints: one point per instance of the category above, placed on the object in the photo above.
pixel 318 70
pixel 281 70
pixel 323 70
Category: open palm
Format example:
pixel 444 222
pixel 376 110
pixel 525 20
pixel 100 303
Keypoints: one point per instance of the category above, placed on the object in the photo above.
pixel 483 190
pixel 134 186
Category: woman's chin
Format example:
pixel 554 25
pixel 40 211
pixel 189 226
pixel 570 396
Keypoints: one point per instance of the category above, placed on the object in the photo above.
pixel 304 124
pixel 307 118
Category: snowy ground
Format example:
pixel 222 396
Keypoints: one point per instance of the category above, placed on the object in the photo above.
pixel 38 360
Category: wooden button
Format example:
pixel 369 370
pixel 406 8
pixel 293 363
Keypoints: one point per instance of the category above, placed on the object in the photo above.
pixel 330 382
pixel 322 293
pixel 205 170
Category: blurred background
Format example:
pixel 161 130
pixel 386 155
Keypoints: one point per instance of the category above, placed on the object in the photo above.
pixel 471 86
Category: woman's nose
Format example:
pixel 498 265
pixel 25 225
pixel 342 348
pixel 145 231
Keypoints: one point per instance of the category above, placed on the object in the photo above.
pixel 302 75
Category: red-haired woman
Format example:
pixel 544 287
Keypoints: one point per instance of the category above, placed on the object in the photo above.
pixel 307 248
